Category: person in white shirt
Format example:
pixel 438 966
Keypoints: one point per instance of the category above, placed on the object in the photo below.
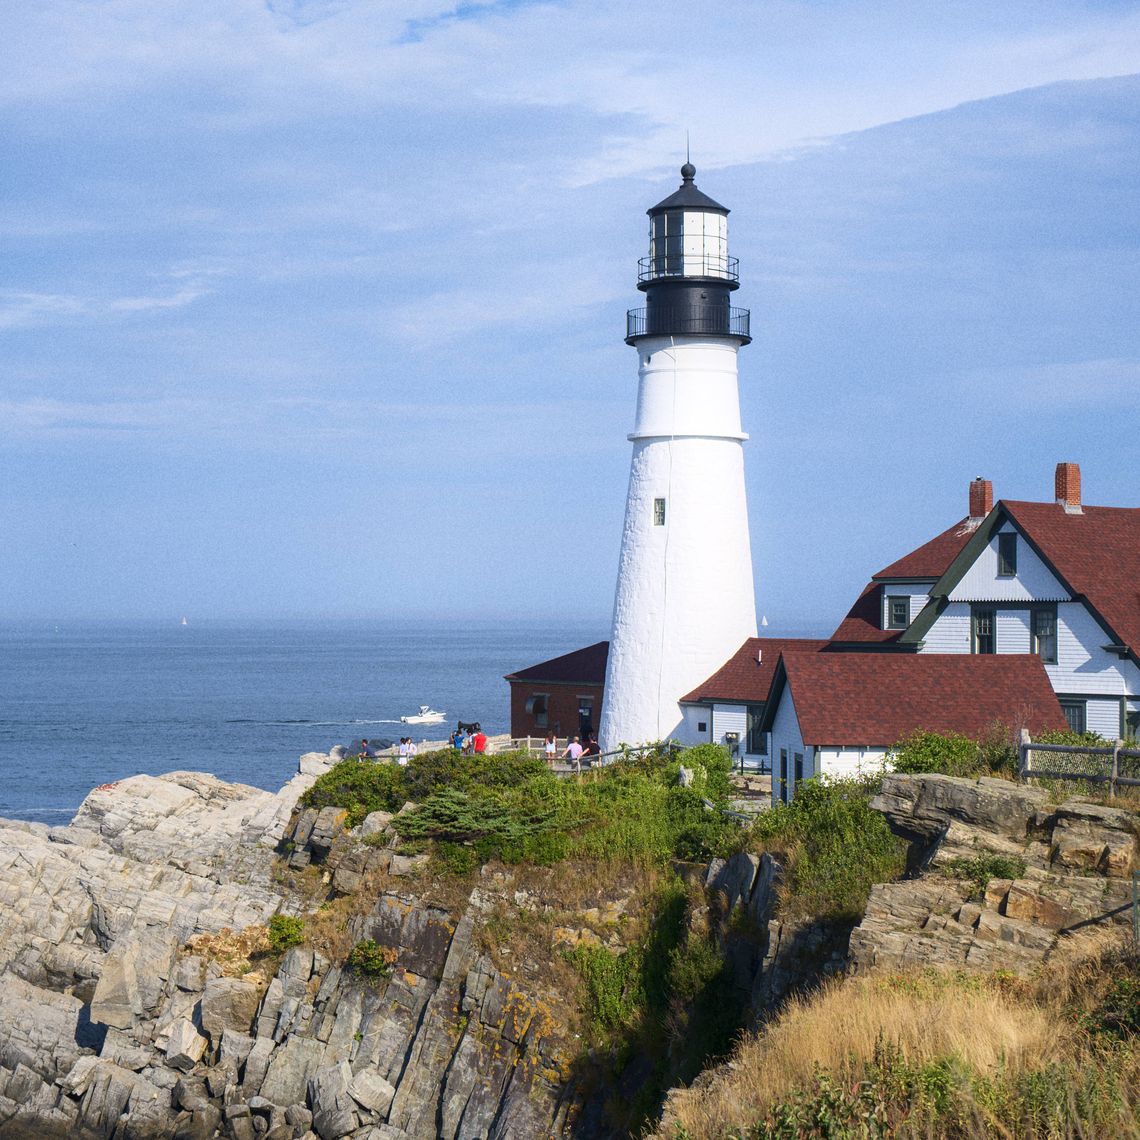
pixel 573 753
pixel 410 753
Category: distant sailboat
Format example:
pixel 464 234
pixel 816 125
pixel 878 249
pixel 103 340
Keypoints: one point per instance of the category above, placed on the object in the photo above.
pixel 184 621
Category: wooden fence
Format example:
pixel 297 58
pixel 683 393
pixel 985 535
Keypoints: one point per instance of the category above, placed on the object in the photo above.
pixel 1097 764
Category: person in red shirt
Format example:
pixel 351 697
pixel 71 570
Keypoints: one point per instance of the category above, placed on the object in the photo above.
pixel 479 741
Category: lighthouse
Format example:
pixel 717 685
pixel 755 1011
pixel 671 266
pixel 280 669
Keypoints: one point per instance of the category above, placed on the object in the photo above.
pixel 685 600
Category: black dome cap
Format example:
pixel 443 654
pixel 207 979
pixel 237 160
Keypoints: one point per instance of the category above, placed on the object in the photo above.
pixel 688 196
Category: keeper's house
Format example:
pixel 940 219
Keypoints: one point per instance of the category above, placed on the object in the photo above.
pixel 839 714
pixel 1059 580
pixel 563 694
pixel 728 708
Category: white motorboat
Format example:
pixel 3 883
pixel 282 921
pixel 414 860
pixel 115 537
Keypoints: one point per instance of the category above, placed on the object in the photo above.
pixel 426 715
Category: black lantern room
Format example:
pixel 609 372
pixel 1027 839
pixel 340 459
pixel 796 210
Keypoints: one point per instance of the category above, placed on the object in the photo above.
pixel 688 275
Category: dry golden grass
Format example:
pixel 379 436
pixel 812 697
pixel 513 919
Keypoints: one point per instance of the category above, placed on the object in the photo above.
pixel 234 951
pixel 993 1025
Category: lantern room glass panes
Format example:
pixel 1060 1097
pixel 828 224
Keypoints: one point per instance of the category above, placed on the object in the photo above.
pixel 688 243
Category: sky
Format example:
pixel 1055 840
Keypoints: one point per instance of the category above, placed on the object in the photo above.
pixel 315 309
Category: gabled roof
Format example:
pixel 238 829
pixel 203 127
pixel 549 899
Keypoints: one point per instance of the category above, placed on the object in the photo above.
pixel 863 623
pixel 931 558
pixel 1095 554
pixel 875 699
pixel 578 667
pixel 747 675
pixel 864 619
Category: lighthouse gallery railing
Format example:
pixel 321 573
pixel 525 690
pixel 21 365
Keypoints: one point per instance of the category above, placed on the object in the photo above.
pixel 714 321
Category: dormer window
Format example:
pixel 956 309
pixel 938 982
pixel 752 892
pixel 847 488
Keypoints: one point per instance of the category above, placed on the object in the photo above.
pixel 898 612
pixel 1007 554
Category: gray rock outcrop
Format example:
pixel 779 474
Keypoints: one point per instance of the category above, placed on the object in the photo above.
pixel 1071 859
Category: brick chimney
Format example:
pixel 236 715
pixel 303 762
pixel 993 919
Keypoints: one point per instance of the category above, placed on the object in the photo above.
pixel 981 498
pixel 1067 487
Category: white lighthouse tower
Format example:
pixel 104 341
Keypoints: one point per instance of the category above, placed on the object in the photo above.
pixel 685 600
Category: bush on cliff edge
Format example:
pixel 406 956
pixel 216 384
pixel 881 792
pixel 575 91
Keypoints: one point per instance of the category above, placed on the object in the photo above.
pixel 835 845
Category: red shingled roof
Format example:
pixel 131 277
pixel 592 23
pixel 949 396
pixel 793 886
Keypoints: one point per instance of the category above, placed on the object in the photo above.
pixel 876 699
pixel 863 619
pixel 932 558
pixel 743 678
pixel 1097 553
pixel 578 667
pixel 863 622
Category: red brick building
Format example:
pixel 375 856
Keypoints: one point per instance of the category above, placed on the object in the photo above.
pixel 563 694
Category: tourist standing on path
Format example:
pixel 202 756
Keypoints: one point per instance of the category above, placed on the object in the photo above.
pixel 591 748
pixel 410 754
pixel 573 753
pixel 404 742
pixel 457 740
pixel 551 748
pixel 479 742
pixel 366 753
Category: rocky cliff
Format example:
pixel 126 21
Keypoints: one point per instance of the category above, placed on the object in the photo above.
pixel 140 995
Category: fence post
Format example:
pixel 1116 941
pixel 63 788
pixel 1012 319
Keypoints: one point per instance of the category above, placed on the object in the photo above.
pixel 1135 908
pixel 1023 749
pixel 1115 768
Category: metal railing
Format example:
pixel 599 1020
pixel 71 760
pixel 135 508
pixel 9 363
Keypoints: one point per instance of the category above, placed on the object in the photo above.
pixel 689 265
pixel 1097 764
pixel 722 321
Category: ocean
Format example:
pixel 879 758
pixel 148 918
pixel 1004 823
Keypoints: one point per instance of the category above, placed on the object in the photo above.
pixel 86 704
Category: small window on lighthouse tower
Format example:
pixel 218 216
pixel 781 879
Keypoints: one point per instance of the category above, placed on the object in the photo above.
pixel 658 512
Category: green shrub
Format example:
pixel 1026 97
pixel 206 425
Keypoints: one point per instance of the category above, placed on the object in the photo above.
pixel 837 847
pixel 614 995
pixel 371 959
pixel 456 858
pixel 949 754
pixel 982 868
pixel 360 787
pixel 1118 1012
pixel 285 931
pixel 493 821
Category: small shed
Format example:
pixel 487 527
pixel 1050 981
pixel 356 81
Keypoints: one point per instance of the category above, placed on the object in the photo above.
pixel 563 694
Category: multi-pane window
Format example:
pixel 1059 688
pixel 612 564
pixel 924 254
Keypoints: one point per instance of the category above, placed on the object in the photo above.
pixel 658 512
pixel 983 631
pixel 1007 555
pixel 1043 627
pixel 898 612
pixel 782 787
pixel 667 241
pixel 799 767
pixel 1075 714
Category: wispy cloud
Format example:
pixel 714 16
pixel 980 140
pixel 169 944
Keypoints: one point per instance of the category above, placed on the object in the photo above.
pixel 25 310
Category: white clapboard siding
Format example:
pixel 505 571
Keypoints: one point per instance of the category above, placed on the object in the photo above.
pixel 1032 582
pixel 951 632
pixel 729 718
pixel 1103 716
pixel 692 718
pixel 915 594
pixel 1083 665
pixel 1013 631
pixel 846 763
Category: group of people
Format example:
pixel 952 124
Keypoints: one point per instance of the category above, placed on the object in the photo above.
pixel 404 753
pixel 470 739
pixel 575 749
pixel 469 742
